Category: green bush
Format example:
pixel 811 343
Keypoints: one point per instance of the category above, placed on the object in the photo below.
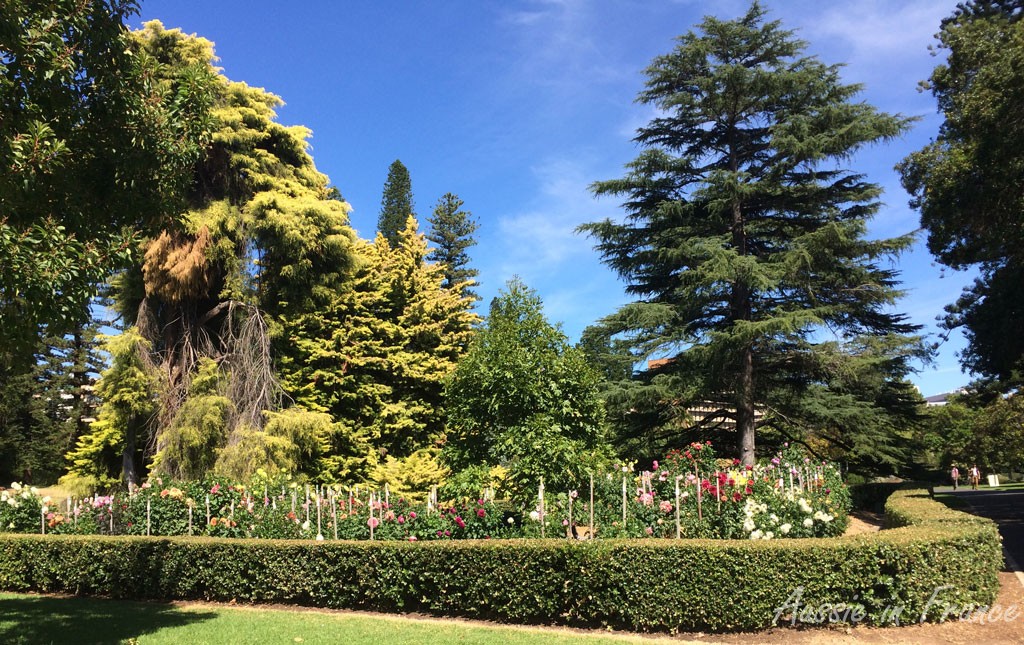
pixel 634 584
pixel 871 496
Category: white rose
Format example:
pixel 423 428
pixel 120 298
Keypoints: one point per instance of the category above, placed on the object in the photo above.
pixel 535 516
pixel 784 529
pixel 756 535
pixel 808 522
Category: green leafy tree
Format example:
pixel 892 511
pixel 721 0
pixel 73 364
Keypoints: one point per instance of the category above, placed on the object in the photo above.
pixel 93 145
pixel 967 182
pixel 525 399
pixel 744 239
pixel 451 229
pixel 396 203
pixel 974 428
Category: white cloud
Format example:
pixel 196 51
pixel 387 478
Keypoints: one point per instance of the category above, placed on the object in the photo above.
pixel 880 29
pixel 539 239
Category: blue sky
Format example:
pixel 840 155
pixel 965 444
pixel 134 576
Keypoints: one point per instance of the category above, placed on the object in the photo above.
pixel 518 106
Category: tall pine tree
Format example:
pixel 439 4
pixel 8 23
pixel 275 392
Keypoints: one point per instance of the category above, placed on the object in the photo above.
pixel 451 229
pixel 744 240
pixel 396 203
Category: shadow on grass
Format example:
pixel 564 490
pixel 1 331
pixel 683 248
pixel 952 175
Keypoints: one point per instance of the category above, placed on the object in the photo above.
pixel 44 619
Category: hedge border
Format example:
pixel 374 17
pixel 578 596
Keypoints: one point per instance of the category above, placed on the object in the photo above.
pixel 708 585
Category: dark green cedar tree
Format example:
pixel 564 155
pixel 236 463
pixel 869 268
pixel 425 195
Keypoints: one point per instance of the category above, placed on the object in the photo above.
pixel 744 237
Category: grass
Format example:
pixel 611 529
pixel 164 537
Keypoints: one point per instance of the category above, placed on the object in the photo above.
pixel 47 619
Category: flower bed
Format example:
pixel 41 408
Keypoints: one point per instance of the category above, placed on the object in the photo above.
pixel 670 585
pixel 690 494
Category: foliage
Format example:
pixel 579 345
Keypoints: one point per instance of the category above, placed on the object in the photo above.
pixel 21 509
pixel 188 448
pixel 744 239
pixel 524 399
pixel 113 447
pixel 966 183
pixel 260 240
pixel 970 430
pixel 46 407
pixel 396 203
pixel 648 585
pixel 376 357
pixel 93 144
pixel 451 229
pixel 411 477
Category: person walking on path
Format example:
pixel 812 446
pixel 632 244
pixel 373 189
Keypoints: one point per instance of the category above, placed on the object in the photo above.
pixel 975 476
pixel 955 476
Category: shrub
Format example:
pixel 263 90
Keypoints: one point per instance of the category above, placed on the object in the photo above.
pixel 639 585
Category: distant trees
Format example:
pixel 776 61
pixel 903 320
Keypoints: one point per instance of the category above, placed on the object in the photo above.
pixel 396 204
pixel 975 428
pixel 967 182
pixel 744 239
pixel 451 229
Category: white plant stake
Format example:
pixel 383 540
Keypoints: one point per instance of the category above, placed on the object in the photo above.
pixel 591 506
pixel 319 532
pixel 623 502
pixel 334 514
pixel 540 495
pixel 679 533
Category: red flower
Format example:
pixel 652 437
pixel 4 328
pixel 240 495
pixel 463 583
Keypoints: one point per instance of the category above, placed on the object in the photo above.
pixel 481 512
pixel 460 522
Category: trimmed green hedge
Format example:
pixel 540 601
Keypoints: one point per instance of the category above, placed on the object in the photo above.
pixel 638 585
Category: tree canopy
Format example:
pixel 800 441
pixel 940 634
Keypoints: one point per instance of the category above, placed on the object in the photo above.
pixel 259 239
pixel 451 229
pixel 744 241
pixel 523 398
pixel 396 202
pixel 96 141
pixel 967 182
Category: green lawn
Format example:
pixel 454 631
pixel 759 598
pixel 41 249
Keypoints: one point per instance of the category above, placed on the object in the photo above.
pixel 43 619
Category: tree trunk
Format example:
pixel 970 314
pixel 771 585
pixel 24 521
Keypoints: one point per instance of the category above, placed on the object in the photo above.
pixel 741 310
pixel 128 473
pixel 745 426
